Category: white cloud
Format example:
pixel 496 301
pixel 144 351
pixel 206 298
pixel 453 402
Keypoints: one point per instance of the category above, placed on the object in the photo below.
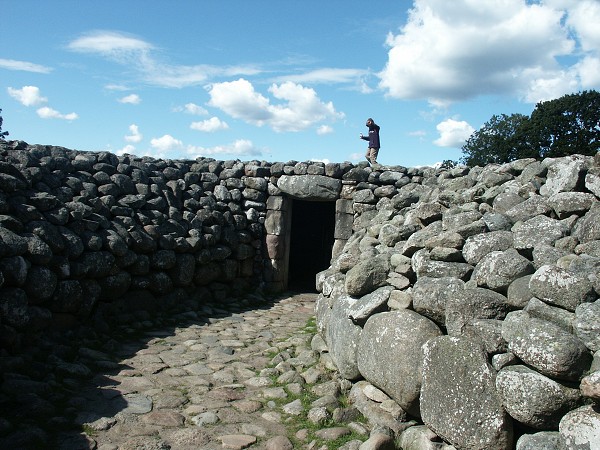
pixel 210 125
pixel 583 18
pixel 300 109
pixel 450 51
pixel 109 43
pixel 27 95
pixel 192 108
pixel 135 135
pixel 46 112
pixel 453 133
pixel 24 66
pixel 324 129
pixel 130 149
pixel 116 87
pixel 166 143
pixel 137 54
pixel 132 99
pixel 589 72
pixel 241 147
pixel 326 75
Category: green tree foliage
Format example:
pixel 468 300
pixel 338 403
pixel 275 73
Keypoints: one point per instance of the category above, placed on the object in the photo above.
pixel 497 141
pixel 3 134
pixel 560 127
pixel 567 125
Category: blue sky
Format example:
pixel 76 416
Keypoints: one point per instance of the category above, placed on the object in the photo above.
pixel 282 80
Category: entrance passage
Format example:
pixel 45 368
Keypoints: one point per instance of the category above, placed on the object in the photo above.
pixel 311 242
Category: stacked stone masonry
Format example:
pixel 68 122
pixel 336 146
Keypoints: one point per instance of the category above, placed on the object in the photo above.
pixel 462 303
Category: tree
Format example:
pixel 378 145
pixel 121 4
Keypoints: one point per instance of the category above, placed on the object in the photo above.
pixel 3 134
pixel 499 140
pixel 566 125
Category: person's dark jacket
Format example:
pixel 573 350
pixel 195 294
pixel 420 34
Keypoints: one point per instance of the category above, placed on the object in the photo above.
pixel 373 136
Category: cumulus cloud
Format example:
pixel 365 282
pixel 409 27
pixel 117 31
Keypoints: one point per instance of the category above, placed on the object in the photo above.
pixel 46 112
pixel 139 55
pixel 299 108
pixel 166 143
pixel 453 133
pixel 27 95
pixel 451 51
pixel 135 135
pixel 192 108
pixel 128 149
pixel 210 125
pixel 241 147
pixel 324 129
pixel 132 99
pixel 12 64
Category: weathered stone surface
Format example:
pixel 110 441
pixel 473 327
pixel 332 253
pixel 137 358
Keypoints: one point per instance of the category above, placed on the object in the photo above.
pixel 367 275
pixel 422 438
pixel 538 230
pixel 534 399
pixel 458 396
pixel 310 187
pixel 369 304
pixel 545 346
pixel 430 296
pixel 390 354
pixel 477 246
pixel 498 269
pixel 587 324
pixel 580 429
pixel 473 303
pixel 544 440
pixel 564 174
pixel 425 266
pixel 342 337
pixel 560 287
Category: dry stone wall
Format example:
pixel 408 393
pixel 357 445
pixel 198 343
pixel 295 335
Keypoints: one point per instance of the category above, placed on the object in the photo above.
pixel 465 307
pixel 84 235
pixel 463 304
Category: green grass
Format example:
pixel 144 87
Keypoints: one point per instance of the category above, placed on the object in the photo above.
pixel 300 422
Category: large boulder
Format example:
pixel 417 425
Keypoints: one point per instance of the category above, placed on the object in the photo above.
pixel 473 303
pixel 342 336
pixel 367 275
pixel 587 324
pixel 534 399
pixel 580 429
pixel 310 187
pixel 459 401
pixel 498 269
pixel 558 286
pixel 390 354
pixel 479 245
pixel 545 346
pixel 430 296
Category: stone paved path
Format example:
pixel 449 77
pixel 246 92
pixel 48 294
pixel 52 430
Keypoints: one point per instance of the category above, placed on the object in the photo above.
pixel 218 379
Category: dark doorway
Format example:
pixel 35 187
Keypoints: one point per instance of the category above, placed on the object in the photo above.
pixel 311 242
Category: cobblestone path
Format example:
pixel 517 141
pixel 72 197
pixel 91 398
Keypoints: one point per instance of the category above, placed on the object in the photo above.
pixel 214 379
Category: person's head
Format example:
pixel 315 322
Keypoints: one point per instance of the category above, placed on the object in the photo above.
pixel 369 122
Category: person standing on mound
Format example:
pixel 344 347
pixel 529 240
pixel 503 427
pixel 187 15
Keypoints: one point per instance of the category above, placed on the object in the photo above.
pixel 373 138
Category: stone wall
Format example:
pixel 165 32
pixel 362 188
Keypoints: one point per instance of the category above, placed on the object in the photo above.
pixel 463 304
pixel 465 307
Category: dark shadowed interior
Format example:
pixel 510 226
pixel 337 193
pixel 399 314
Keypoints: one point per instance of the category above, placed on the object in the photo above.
pixel 311 241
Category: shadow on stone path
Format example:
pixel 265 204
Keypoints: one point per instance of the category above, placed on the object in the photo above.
pixel 228 377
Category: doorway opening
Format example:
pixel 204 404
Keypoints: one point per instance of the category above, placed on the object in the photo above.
pixel 311 242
